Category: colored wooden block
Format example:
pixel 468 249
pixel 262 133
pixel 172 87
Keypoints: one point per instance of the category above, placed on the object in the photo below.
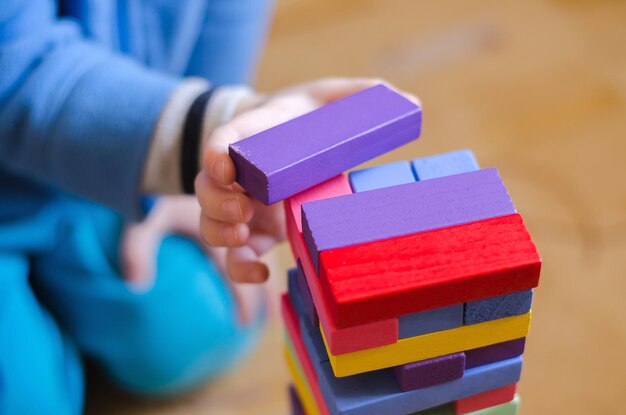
pixel 485 400
pixel 429 321
pixel 430 372
pixel 446 164
pixel 295 402
pixel 307 150
pixel 401 210
pixel 430 345
pixel 494 353
pixel 507 305
pixel 302 387
pixel 336 186
pixel 378 177
pixel 294 291
pixel 307 300
pixel 509 408
pixel 377 392
pixel 345 340
pixel 302 365
pixel 427 270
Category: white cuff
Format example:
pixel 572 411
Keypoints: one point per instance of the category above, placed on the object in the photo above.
pixel 162 169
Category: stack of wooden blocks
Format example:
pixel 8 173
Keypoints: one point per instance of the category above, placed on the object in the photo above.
pixel 413 285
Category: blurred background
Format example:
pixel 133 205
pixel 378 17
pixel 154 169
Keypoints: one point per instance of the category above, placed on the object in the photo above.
pixel 535 88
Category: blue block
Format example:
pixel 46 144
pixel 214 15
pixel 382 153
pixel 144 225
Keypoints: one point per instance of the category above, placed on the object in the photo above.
pixel 379 177
pixel 446 164
pixel 377 392
pixel 429 321
pixel 294 291
pixel 501 306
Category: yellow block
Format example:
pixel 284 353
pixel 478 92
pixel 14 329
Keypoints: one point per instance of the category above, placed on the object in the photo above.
pixel 429 345
pixel 300 382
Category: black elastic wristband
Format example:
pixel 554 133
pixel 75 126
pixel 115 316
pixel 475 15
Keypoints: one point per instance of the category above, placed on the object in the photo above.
pixel 189 166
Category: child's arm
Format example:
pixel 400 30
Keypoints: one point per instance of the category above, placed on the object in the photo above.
pixel 230 217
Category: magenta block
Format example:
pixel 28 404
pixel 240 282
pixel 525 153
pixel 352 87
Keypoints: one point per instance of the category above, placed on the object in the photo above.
pixel 494 353
pixel 404 209
pixel 307 150
pixel 430 372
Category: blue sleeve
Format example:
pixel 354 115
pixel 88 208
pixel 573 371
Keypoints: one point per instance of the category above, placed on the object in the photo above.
pixel 72 114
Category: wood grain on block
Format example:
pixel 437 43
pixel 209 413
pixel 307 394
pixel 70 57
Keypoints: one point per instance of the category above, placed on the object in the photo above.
pixel 336 186
pixel 305 293
pixel 429 321
pixel 286 159
pixel 385 175
pixel 348 339
pixel 295 402
pixel 405 209
pixel 427 270
pixel 485 400
pixel 300 354
pixel 430 345
pixel 430 372
pixel 377 392
pixel 507 305
pixel 493 353
pixel 446 164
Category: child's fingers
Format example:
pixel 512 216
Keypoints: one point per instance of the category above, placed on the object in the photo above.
pixel 223 234
pixel 244 266
pixel 221 203
pixel 219 166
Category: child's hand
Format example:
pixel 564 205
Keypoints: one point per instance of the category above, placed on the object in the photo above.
pixel 232 219
pixel 174 215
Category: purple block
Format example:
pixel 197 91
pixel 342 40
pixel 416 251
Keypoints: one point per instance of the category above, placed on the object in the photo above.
pixel 307 299
pixel 494 353
pixel 307 150
pixel 430 372
pixel 404 209
pixel 501 306
pixel 296 403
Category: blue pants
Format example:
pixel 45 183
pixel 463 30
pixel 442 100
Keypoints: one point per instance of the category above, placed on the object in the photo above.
pixel 61 296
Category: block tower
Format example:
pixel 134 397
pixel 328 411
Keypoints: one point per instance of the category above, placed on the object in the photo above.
pixel 413 285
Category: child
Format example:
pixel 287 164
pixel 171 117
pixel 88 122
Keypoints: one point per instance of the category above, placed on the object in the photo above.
pixel 101 103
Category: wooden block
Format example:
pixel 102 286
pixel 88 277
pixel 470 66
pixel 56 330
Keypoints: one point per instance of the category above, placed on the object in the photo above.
pixel 336 186
pixel 430 321
pixel 430 345
pixel 430 372
pixel 305 293
pixel 507 305
pixel 294 291
pixel 349 339
pixel 307 150
pixel 378 177
pixel 295 402
pixel 447 164
pixel 302 387
pixel 509 408
pixel 377 393
pixel 302 363
pixel 485 400
pixel 427 270
pixel 493 353
pixel 401 210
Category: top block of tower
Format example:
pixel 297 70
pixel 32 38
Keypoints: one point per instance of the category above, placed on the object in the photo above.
pixel 286 159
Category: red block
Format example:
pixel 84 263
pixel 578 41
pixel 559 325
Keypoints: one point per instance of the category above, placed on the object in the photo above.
pixel 293 330
pixel 485 400
pixel 348 339
pixel 391 277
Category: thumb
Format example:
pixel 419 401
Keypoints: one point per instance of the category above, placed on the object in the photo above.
pixel 138 255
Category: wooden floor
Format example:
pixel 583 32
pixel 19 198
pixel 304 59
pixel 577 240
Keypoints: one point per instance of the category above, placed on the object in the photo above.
pixel 536 88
